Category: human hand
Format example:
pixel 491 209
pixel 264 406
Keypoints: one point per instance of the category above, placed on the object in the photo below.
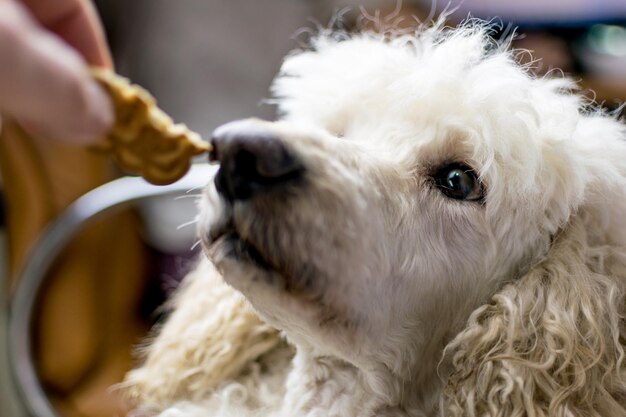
pixel 45 48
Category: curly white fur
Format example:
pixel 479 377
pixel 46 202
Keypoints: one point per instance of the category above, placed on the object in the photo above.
pixel 382 283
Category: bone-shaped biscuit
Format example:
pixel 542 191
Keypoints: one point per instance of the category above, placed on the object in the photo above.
pixel 144 140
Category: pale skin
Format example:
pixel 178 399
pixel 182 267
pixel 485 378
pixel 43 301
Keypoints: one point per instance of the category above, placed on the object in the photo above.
pixel 46 47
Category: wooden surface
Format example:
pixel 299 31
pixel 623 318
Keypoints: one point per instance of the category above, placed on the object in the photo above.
pixel 86 320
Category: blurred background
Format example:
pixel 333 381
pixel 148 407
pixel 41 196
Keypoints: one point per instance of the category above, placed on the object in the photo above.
pixel 208 62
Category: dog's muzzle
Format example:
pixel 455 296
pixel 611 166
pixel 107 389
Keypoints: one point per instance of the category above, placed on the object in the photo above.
pixel 252 158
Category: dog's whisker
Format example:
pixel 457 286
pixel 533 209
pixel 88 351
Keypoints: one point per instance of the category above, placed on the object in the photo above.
pixel 182 197
pixel 189 223
pixel 195 245
pixel 194 189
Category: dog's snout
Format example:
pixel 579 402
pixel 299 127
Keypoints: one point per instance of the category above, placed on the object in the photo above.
pixel 252 159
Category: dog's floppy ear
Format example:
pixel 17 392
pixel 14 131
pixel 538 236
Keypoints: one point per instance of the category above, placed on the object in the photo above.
pixel 210 336
pixel 550 344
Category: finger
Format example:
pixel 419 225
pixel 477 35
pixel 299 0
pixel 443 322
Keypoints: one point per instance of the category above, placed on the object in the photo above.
pixel 77 23
pixel 46 83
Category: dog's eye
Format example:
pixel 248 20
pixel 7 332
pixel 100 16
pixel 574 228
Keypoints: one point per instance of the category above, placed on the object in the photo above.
pixel 459 182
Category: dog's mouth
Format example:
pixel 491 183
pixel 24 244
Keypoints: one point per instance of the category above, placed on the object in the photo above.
pixel 228 243
pixel 238 246
pixel 242 250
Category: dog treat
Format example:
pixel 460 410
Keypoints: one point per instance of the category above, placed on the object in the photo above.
pixel 145 140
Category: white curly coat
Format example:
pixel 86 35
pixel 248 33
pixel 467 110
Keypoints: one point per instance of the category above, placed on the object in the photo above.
pixel 394 299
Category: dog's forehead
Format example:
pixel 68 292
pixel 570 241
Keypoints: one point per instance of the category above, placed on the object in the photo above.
pixel 427 87
pixel 368 75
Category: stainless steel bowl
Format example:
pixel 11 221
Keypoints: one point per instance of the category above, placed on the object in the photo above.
pixel 103 200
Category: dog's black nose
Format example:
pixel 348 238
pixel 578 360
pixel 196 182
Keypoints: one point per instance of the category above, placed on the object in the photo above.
pixel 252 159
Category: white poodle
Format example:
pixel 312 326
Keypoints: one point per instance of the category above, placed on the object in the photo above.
pixel 433 230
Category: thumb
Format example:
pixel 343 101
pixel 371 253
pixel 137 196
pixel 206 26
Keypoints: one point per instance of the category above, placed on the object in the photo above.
pixel 45 84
